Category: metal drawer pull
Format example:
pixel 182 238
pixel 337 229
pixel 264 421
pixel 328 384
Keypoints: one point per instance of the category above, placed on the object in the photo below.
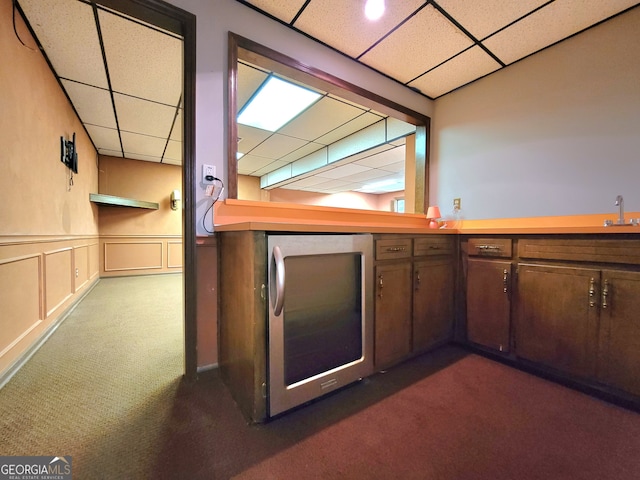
pixel 605 294
pixel 492 248
pixel 380 285
pixel 434 247
pixel 505 281
pixel 592 292
pixel 396 249
pixel 417 280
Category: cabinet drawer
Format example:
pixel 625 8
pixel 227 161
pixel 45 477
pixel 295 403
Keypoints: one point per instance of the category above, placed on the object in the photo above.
pixel 490 247
pixel 391 248
pixel 432 245
pixel 609 251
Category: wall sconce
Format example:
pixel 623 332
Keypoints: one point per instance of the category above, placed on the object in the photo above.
pixel 433 214
pixel 175 198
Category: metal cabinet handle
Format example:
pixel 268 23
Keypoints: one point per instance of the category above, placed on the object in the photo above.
pixel 489 248
pixel 279 266
pixel 380 285
pixel 605 294
pixel 505 281
pixel 417 279
pixel 434 247
pixel 396 249
pixel 592 292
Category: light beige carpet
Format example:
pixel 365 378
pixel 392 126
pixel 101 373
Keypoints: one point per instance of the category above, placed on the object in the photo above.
pixel 98 388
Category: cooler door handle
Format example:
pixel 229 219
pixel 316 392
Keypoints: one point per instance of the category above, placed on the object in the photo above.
pixel 279 280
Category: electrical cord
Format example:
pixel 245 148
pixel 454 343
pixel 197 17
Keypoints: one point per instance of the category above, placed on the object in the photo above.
pixel 15 30
pixel 211 206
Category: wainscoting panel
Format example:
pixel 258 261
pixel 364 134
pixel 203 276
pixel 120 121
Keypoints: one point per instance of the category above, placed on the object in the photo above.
pixel 122 255
pixel 20 299
pixel 58 278
pixel 38 286
pixel 174 254
pixel 81 263
pixel 119 256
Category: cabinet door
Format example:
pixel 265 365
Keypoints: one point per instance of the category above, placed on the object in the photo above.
pixel 489 303
pixel 557 323
pixel 620 330
pixel 393 313
pixel 433 286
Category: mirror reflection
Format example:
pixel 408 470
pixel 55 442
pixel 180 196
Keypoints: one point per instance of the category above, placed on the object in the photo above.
pixel 329 151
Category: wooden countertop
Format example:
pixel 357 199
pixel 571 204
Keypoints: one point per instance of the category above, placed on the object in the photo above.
pixel 236 215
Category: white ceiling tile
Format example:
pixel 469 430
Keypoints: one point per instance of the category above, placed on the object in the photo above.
pixel 134 143
pixel 550 24
pixel 394 167
pixel 484 17
pixel 466 67
pixel 283 9
pixel 142 62
pixel 366 175
pixel 250 137
pixel 270 168
pixel 249 79
pixel 250 163
pixel 308 181
pixel 387 157
pixel 343 171
pixel 176 133
pixel 370 153
pixel 173 152
pixel 302 152
pixel 353 126
pixel 146 158
pixel 110 153
pixel 68 34
pixel 92 104
pixel 343 25
pixel 171 161
pixel 104 138
pixel 277 146
pixel 417 46
pixel 139 116
pixel 331 184
pixel 326 115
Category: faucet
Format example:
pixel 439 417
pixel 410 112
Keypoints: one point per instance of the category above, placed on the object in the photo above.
pixel 620 203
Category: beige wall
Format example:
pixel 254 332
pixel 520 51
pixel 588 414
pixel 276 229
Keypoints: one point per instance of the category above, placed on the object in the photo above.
pixel 554 134
pixel 48 228
pixel 135 241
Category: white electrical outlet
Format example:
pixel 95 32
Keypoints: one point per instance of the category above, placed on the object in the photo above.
pixel 208 174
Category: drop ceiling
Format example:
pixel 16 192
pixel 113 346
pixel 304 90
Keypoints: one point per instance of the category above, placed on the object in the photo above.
pixel 123 77
pixel 435 47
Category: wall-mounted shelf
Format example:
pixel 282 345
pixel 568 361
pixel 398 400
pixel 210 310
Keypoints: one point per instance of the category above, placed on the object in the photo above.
pixel 113 201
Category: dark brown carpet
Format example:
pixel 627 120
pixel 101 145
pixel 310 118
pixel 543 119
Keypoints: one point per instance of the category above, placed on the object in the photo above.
pixel 106 389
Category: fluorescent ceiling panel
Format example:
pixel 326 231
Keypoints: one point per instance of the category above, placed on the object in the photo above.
pixel 143 62
pixel 417 46
pixel 249 80
pixel 275 104
pixel 343 25
pixel 67 31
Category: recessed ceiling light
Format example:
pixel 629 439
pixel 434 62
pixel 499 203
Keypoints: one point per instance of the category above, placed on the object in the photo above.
pixel 374 9
pixel 275 104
